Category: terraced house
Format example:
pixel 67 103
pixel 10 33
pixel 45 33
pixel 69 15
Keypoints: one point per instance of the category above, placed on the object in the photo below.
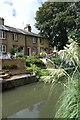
pixel 23 40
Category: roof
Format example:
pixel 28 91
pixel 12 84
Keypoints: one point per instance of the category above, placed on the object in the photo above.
pixel 17 30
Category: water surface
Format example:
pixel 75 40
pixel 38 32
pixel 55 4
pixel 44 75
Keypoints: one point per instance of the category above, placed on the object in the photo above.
pixel 37 100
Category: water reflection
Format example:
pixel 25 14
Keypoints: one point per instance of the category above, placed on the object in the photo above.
pixel 31 112
pixel 31 101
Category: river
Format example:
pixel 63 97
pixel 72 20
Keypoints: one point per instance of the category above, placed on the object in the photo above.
pixel 37 100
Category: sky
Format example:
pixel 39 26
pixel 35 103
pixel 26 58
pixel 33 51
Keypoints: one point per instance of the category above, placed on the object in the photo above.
pixel 18 13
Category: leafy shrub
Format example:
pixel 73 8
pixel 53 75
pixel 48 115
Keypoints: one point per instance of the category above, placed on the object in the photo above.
pixel 19 55
pixel 37 70
pixel 39 63
pixel 13 51
pixel 34 60
pixel 13 66
pixel 56 60
pixel 41 72
pixel 32 69
pixel 7 66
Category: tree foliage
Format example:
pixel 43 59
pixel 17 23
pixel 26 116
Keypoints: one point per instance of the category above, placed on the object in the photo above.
pixel 56 19
pixel 75 33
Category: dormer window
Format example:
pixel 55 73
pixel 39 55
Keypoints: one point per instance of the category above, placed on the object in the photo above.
pixel 34 40
pixel 2 34
pixel 15 37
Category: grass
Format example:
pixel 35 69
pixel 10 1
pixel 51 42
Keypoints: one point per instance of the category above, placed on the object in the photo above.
pixel 68 102
pixel 54 75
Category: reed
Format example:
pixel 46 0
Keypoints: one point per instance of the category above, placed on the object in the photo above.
pixel 68 104
pixel 69 101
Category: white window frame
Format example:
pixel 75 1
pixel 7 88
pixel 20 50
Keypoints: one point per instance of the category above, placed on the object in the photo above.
pixel 34 40
pixel 14 36
pixel 2 34
pixel 3 48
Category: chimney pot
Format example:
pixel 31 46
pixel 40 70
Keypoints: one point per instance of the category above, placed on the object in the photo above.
pixel 28 28
pixel 1 21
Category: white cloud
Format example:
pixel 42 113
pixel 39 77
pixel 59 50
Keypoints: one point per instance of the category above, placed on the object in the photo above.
pixel 18 13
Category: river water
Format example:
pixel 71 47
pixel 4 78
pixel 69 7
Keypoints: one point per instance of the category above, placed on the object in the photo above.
pixel 37 100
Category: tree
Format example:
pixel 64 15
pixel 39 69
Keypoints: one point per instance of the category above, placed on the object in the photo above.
pixel 55 20
pixel 75 33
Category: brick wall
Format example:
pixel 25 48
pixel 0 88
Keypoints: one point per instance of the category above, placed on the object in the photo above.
pixel 21 66
pixel 10 42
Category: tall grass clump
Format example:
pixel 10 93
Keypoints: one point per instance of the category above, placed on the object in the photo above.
pixel 69 101
pixel 71 53
pixel 54 75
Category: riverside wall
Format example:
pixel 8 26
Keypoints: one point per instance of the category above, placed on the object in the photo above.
pixel 9 84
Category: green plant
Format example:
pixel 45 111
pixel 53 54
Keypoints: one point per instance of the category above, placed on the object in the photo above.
pixel 6 66
pixel 13 66
pixel 37 70
pixel 34 60
pixel 70 100
pixel 70 54
pixel 54 75
pixel 41 72
pixel 56 60
pixel 13 51
pixel 19 55
pixel 68 103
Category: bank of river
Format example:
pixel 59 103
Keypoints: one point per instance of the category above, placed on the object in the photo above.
pixel 36 100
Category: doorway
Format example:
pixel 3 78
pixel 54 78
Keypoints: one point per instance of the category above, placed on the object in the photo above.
pixel 28 51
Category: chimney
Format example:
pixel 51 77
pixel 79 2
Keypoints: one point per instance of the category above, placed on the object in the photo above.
pixel 28 28
pixel 1 21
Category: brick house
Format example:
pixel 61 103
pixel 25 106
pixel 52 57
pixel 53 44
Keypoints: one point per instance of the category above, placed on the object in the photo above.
pixel 23 40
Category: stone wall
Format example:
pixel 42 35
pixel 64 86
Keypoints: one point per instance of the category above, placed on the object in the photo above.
pixel 21 66
pixel 9 84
